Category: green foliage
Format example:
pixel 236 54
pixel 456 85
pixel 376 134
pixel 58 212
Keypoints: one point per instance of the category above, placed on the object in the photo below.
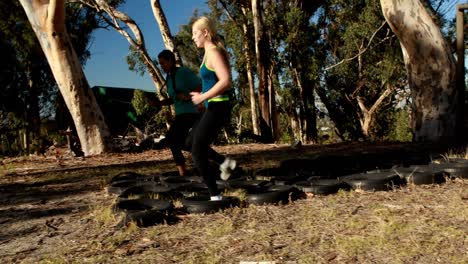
pixel 353 30
pixel 401 127
pixel 135 61
pixel 147 115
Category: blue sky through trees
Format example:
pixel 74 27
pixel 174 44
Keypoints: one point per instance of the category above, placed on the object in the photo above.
pixel 107 65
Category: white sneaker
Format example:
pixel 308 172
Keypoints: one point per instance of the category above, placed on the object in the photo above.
pixel 226 168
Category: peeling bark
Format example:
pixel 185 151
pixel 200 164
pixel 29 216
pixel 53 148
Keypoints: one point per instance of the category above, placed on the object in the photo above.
pixel 47 19
pixel 431 70
pixel 165 30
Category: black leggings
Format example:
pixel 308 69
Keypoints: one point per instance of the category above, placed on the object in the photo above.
pixel 177 135
pixel 206 130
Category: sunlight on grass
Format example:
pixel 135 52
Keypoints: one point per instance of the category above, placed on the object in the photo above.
pixel 352 245
pixel 53 260
pixel 239 193
pixel 451 154
pixel 103 215
pixel 6 168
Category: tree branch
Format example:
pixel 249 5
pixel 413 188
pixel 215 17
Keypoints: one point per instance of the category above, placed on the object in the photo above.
pixel 360 53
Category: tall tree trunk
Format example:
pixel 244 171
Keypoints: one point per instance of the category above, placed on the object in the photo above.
pixel 272 79
pixel 243 26
pixel 431 70
pixel 32 114
pixel 165 30
pixel 307 114
pixel 47 19
pixel 250 74
pixel 261 50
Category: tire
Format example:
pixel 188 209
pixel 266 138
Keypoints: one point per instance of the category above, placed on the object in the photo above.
pixel 379 171
pixel 322 186
pixel 422 174
pixel 420 178
pixel 118 187
pixel 175 181
pixel 248 185
pixel 150 191
pixel 145 218
pixel 268 197
pixel 129 176
pixel 193 189
pixel 268 174
pixel 456 169
pixel 202 204
pixel 143 204
pixel 373 182
pixel 293 192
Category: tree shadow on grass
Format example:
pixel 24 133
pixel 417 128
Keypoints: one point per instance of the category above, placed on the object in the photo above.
pixel 58 185
pixel 341 159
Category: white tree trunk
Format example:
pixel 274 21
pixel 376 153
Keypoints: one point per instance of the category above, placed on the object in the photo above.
pixel 250 75
pixel 165 30
pixel 431 70
pixel 47 19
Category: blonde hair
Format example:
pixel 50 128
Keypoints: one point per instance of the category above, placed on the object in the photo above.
pixel 204 23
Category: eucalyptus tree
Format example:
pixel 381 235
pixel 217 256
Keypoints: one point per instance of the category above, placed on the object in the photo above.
pixel 47 19
pixel 362 69
pixel 240 29
pixel 298 35
pixel 430 69
pixel 266 92
pixel 19 76
pixel 127 27
pixel 166 34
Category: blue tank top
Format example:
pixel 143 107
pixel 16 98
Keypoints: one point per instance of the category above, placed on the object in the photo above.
pixel 208 77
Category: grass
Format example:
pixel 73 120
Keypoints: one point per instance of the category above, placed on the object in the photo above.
pixel 413 224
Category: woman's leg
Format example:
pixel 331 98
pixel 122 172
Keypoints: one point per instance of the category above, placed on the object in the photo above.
pixel 176 138
pixel 206 131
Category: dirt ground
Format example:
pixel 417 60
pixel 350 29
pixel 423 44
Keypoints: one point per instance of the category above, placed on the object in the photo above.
pixel 55 209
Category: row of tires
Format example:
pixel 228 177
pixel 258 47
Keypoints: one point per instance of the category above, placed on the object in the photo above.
pixel 150 199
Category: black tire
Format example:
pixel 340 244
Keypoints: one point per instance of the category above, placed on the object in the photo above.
pixel 175 181
pixel 202 204
pixel 143 204
pixel 322 186
pixel 145 218
pixel 293 192
pixel 131 176
pixel 118 187
pixel 172 173
pixel 248 185
pixel 378 171
pixel 420 178
pixel 421 174
pixel 268 197
pixel 291 180
pixel 150 191
pixel 456 169
pixel 268 174
pixel 373 182
pixel 193 189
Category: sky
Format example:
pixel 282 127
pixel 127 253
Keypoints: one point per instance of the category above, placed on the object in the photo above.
pixel 107 65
